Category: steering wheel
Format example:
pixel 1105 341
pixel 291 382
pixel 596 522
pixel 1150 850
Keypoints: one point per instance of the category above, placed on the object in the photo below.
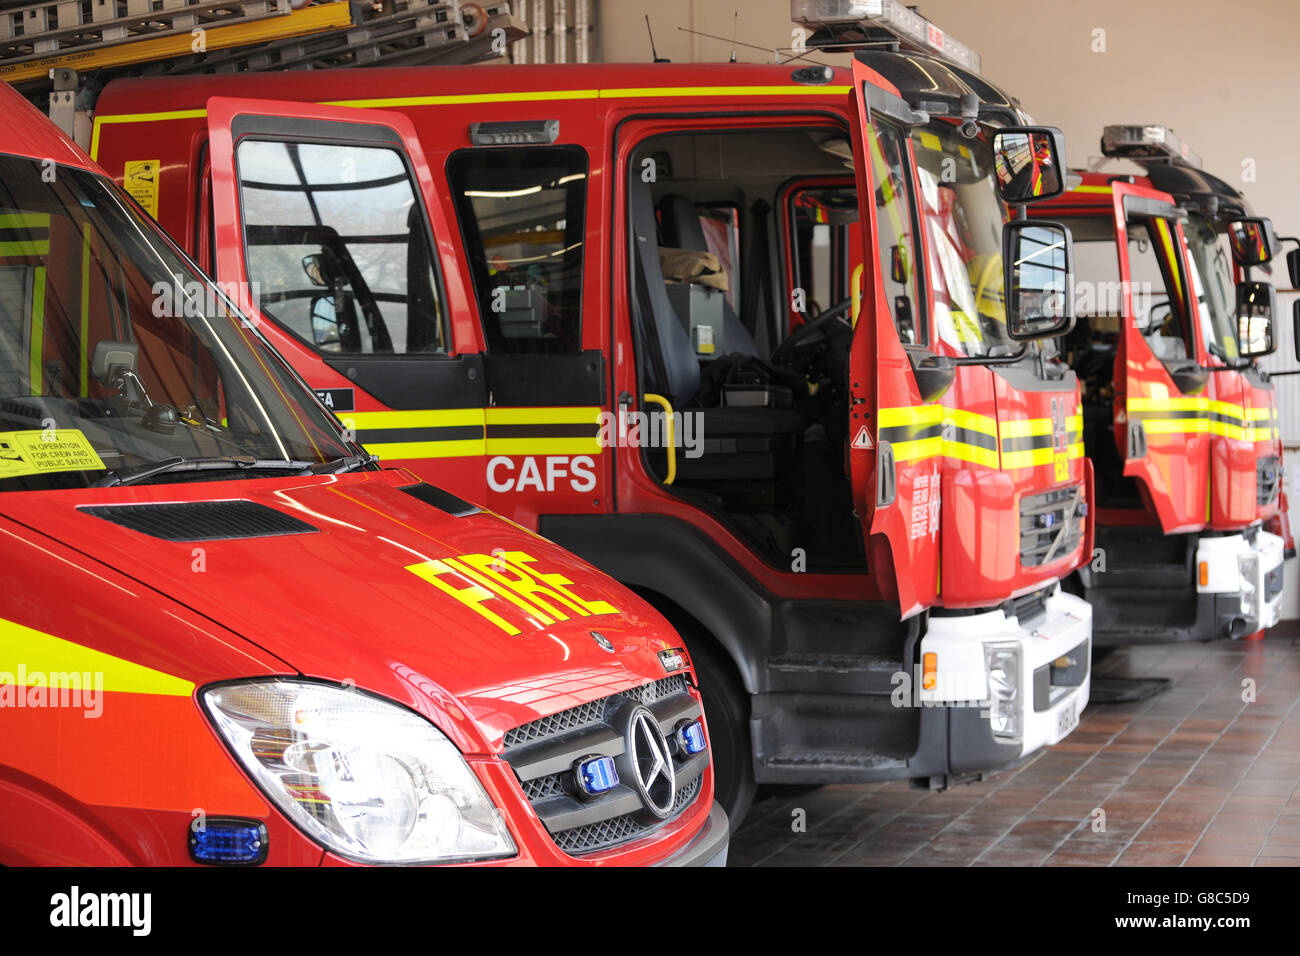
pixel 816 333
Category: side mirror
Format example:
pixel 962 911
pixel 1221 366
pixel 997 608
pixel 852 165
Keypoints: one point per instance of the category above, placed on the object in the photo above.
pixel 1029 162
pixel 1256 306
pixel 1295 327
pixel 1252 240
pixel 324 323
pixel 1036 258
pixel 1293 267
pixel 317 269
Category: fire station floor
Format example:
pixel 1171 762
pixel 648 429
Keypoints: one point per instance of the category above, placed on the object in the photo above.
pixel 1194 776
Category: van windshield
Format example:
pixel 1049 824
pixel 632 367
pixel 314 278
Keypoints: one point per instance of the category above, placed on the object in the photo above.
pixel 120 363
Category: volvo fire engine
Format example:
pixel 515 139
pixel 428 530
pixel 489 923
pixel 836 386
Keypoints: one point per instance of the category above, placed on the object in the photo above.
pixel 1181 426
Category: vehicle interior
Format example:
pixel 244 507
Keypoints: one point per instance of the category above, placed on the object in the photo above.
pixel 711 320
pixel 1091 347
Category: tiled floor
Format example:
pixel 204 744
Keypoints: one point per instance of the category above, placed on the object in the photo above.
pixel 1194 776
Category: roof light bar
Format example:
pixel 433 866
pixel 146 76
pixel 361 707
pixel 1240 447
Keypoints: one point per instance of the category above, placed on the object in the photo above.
pixel 1150 143
pixel 831 19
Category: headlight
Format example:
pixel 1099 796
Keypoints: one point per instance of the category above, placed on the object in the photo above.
pixel 366 778
pixel 1003 663
pixel 1248 568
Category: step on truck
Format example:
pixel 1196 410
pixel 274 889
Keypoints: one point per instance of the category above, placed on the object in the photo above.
pixel 227 637
pixel 1180 424
pixel 733 333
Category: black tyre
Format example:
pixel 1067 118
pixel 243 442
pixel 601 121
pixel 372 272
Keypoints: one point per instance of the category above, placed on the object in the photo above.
pixel 726 709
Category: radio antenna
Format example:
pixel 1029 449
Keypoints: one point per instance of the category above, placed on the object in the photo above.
pixel 653 52
pixel 735 25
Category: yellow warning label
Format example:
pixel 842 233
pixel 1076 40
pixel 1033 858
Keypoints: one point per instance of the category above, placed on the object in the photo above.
pixel 140 179
pixel 54 449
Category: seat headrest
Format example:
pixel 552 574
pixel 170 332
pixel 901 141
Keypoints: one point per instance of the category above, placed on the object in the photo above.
pixel 681 224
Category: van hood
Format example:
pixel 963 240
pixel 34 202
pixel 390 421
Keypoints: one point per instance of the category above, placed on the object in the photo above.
pixel 347 578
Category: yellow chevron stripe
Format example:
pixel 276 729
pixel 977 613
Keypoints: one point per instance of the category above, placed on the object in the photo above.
pixel 35 652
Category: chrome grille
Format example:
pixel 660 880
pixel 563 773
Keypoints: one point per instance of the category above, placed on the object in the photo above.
pixel 543 753
pixel 1051 525
pixel 621 829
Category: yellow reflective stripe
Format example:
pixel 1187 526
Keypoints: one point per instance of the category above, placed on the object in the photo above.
pixel 459 99
pixel 1228 430
pixel 971 453
pixel 544 446
pixel 914 450
pixel 1075 450
pixel 24 220
pixel 83 377
pixel 1025 427
pixel 579 415
pixel 911 415
pixel 1260 414
pixel 971 421
pixel 25 247
pixel 1226 408
pixel 31 652
pixel 1173 426
pixel 1074 423
pixel 138 118
pixel 658 92
pixel 36 344
pixel 405 450
pixel 1166 404
pixel 1167 241
pixel 1027 459
pixel 1099 190
pixel 427 418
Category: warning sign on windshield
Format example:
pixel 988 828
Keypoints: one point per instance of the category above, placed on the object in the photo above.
pixel 40 451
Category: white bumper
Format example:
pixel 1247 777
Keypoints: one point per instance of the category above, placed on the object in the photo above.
pixel 1231 565
pixel 1030 683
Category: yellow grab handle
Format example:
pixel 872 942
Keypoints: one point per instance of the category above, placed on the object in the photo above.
pixel 855 292
pixel 671 434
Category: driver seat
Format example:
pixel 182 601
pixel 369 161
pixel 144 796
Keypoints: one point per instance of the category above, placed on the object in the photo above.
pixel 739 442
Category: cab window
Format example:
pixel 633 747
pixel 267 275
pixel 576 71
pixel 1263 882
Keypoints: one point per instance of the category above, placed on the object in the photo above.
pixel 896 232
pixel 1158 288
pixel 964 219
pixel 337 247
pixel 522 214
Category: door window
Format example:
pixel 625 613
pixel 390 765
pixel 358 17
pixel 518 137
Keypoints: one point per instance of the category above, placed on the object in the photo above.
pixel 337 248
pixel 1157 285
pixel 522 214
pixel 896 232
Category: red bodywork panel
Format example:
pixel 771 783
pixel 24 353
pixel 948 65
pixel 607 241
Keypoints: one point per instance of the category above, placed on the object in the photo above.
pixel 604 109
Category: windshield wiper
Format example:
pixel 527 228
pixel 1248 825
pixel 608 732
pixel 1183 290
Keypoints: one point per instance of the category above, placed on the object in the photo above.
pixel 179 463
pixel 339 466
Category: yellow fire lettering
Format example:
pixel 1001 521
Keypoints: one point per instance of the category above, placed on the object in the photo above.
pixel 472 596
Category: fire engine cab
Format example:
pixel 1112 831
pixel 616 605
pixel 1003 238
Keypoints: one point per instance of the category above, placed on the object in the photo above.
pixel 1180 424
pixel 751 339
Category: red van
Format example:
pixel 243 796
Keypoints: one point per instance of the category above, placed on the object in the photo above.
pixel 228 637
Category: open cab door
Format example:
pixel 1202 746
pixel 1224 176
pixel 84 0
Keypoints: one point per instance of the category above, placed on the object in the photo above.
pixel 326 226
pixel 895 421
pixel 1162 405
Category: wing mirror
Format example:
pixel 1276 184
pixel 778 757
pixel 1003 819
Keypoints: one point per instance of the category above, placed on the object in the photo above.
pixel 1252 241
pixel 1037 277
pixel 1256 306
pixel 1029 162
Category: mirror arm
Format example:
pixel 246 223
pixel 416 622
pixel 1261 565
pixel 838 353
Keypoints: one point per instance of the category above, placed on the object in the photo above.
pixel 1011 359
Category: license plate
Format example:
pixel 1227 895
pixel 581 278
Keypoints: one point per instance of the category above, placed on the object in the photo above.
pixel 1066 720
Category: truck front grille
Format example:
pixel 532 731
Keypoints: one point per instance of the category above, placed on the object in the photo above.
pixel 543 753
pixel 1268 478
pixel 1051 525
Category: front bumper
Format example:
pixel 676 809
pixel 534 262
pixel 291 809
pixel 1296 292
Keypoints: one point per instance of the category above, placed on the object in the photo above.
pixel 1241 576
pixel 1028 681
